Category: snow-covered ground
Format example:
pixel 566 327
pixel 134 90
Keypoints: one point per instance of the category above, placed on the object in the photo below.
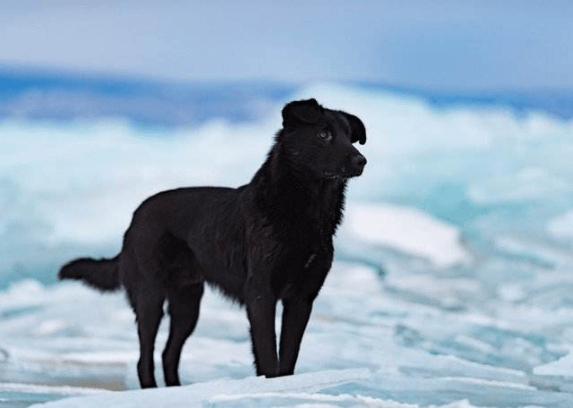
pixel 452 285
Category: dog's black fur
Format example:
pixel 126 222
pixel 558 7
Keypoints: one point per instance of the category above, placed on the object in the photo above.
pixel 266 241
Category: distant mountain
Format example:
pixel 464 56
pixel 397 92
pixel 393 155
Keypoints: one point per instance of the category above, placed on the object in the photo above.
pixel 40 95
pixel 62 96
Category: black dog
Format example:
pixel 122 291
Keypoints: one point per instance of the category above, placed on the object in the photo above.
pixel 266 241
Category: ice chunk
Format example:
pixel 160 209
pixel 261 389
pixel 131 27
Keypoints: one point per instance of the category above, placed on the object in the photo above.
pixel 561 367
pixel 562 226
pixel 408 230
pixel 264 400
pixel 526 184
pixel 44 389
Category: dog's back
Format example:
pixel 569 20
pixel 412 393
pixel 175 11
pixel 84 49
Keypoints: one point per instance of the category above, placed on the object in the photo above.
pixel 195 234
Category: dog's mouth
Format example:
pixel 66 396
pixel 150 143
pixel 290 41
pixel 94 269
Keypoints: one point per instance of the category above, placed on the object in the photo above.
pixel 332 176
pixel 340 176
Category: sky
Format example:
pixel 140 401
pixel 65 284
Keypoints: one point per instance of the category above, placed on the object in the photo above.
pixel 437 45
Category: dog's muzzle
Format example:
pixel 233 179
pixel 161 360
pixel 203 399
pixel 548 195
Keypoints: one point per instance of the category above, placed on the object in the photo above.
pixel 357 164
pixel 354 168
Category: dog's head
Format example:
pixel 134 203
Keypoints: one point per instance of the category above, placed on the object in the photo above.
pixel 319 140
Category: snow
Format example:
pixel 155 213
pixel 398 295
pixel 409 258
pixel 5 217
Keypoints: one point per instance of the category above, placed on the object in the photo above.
pixel 451 285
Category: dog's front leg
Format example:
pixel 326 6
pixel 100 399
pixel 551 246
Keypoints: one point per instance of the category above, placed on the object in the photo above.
pixel 296 312
pixel 261 309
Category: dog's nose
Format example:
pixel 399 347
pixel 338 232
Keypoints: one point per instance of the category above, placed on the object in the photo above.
pixel 359 161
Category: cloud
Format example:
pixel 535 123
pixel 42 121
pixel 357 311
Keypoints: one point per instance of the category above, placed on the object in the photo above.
pixel 439 44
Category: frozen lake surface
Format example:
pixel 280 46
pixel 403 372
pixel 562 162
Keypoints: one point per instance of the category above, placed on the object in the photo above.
pixel 452 286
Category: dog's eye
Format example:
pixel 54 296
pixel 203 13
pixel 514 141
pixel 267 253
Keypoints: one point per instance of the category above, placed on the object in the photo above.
pixel 325 134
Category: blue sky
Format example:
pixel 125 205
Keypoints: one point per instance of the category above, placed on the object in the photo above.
pixel 443 45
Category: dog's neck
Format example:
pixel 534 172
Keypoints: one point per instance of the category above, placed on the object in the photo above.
pixel 299 197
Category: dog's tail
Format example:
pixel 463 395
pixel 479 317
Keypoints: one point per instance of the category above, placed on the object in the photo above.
pixel 101 274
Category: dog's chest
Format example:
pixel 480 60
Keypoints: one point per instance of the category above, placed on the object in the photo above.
pixel 309 261
pixel 302 272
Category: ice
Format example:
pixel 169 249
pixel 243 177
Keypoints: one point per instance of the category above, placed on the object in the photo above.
pixel 410 353
pixel 560 367
pixel 562 226
pixel 42 389
pixel 195 395
pixel 192 396
pixel 408 230
pixel 23 395
pixel 525 184
pixel 451 286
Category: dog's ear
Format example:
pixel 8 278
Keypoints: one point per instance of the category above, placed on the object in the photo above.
pixel 306 112
pixel 357 129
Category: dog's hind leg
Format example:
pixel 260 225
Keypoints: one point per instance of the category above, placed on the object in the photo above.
pixel 184 305
pixel 149 311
